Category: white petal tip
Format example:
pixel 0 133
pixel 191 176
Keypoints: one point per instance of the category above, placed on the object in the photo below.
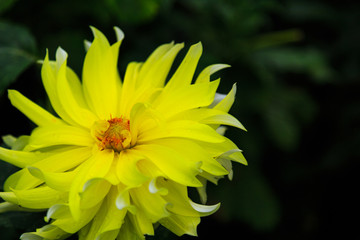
pixel 119 34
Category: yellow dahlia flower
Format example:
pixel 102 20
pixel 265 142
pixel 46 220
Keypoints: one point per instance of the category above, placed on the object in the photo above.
pixel 121 154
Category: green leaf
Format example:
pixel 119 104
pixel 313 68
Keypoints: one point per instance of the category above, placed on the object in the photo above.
pixel 131 11
pixel 5 4
pixel 17 48
pixel 306 60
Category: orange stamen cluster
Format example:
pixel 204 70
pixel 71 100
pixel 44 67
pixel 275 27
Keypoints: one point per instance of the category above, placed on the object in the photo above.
pixel 117 136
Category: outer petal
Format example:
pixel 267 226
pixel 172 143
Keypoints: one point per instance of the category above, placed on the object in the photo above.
pixel 48 136
pixel 48 232
pixel 179 202
pixel 181 225
pixel 228 148
pixel 184 74
pixel 131 230
pixel 65 160
pixel 114 217
pixel 58 181
pixel 33 111
pixel 209 116
pixel 37 198
pixel 66 222
pixel 152 205
pixel 20 158
pixel 205 74
pixel 181 129
pixel 225 104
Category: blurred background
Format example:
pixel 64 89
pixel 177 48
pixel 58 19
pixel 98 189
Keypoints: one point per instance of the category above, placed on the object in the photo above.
pixel 297 68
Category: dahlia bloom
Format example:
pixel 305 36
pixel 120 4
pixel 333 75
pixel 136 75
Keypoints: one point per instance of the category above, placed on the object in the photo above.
pixel 120 155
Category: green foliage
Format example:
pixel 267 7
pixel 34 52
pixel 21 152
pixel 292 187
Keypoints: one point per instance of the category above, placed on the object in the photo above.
pixel 17 48
pixel 5 4
pixel 133 11
pixel 255 201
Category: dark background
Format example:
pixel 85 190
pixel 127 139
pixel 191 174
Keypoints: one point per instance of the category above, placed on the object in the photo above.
pixel 296 64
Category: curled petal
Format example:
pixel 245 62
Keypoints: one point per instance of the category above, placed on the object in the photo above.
pixel 205 74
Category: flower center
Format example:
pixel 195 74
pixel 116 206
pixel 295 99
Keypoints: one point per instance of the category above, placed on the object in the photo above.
pixel 112 134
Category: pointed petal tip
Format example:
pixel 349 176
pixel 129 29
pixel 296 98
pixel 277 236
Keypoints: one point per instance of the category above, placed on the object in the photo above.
pixel 96 32
pixel 119 34
pixel 61 55
pixel 197 46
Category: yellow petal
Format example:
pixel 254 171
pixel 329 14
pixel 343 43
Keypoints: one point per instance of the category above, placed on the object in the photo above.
pixel 129 88
pixel 225 104
pixel 175 166
pixel 205 210
pixel 142 224
pixel 48 232
pixel 184 74
pixel 58 211
pixel 149 169
pixel 127 170
pixel 108 220
pixel 65 160
pixel 94 191
pixel 48 75
pixel 33 111
pixel 142 118
pixel 185 97
pixel 111 176
pixel 205 74
pixel 37 198
pixel 182 129
pixel 181 225
pixel 48 136
pixel 152 205
pixel 96 167
pixel 156 68
pixel 58 181
pixel 193 152
pixel 234 155
pixel 20 158
pixel 209 116
pixel 177 198
pixel 70 225
pixel 101 81
pixel 131 229
pixel 73 101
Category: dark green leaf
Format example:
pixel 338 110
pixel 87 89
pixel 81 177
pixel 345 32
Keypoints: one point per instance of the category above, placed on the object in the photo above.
pixel 310 61
pixel 17 47
pixel 131 11
pixel 5 4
